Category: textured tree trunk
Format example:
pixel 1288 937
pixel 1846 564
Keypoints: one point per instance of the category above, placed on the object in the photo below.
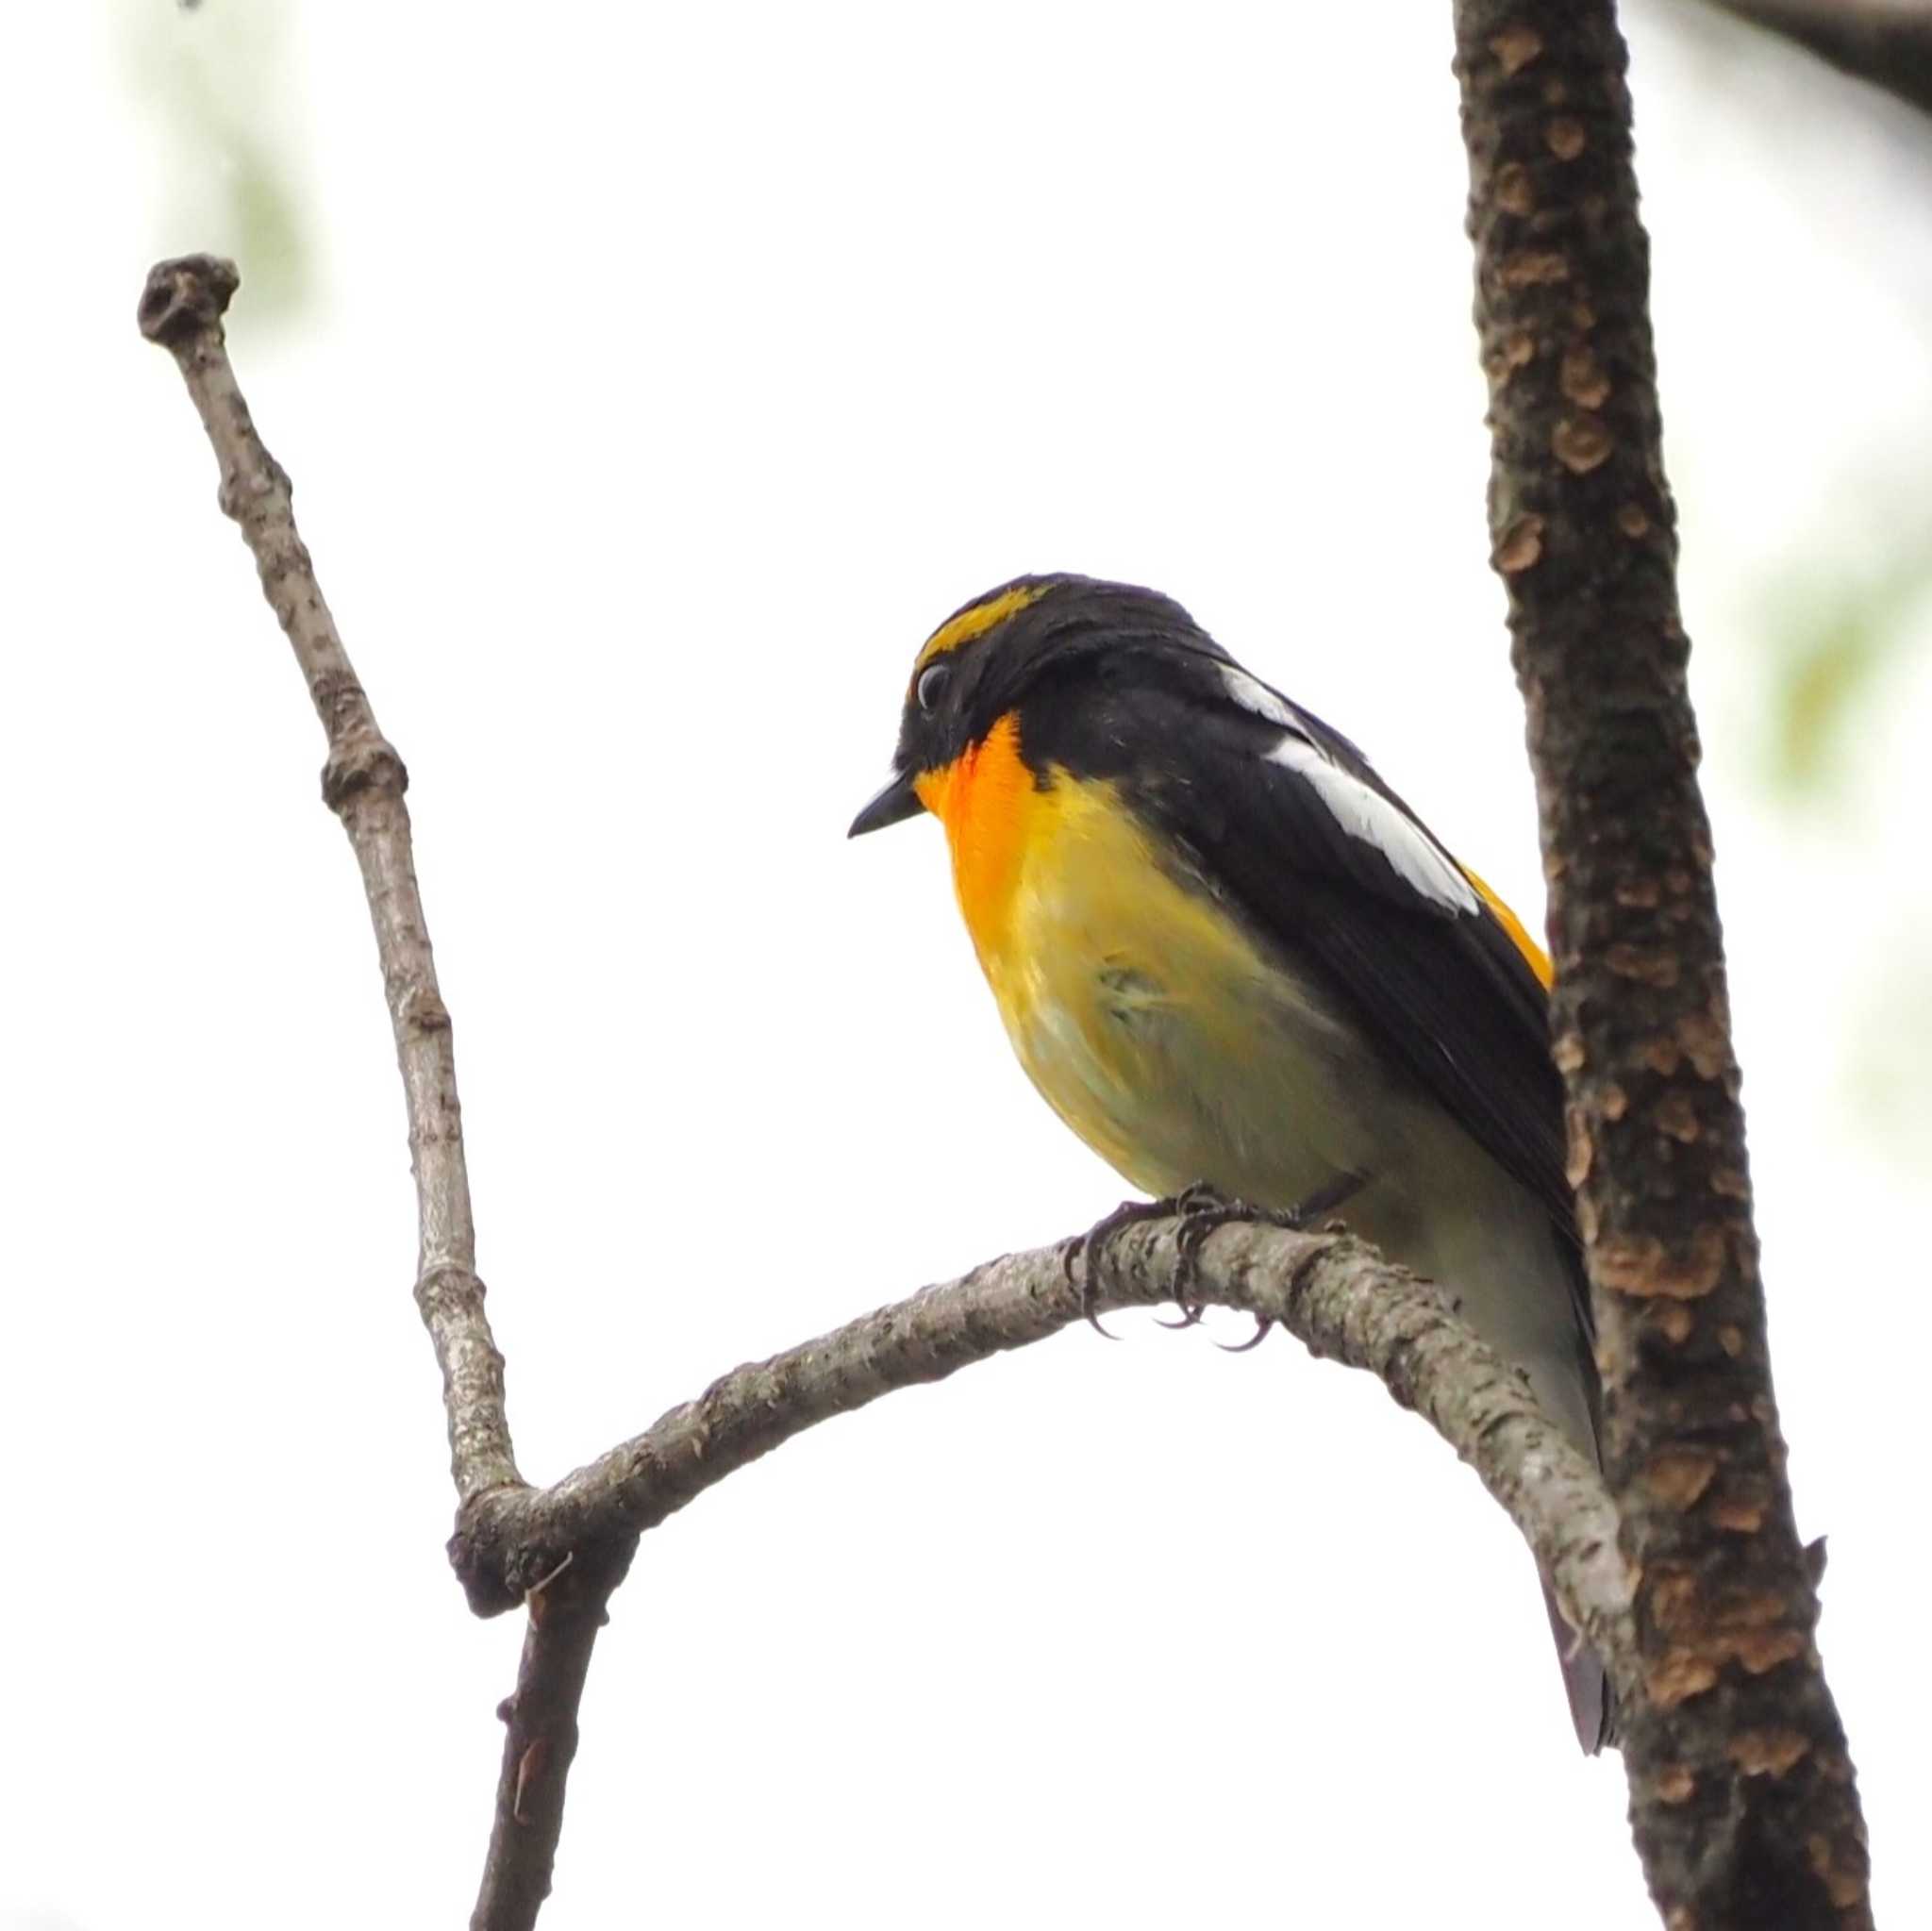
pixel 1742 1797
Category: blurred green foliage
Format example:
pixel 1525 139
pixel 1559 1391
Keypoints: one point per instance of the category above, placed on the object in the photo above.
pixel 1888 1065
pixel 1832 640
pixel 1843 674
pixel 222 91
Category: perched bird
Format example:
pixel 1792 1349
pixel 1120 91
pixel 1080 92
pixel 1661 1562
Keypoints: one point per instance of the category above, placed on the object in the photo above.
pixel 1226 953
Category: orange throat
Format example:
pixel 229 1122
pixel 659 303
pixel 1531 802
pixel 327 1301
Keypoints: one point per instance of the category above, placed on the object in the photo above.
pixel 987 801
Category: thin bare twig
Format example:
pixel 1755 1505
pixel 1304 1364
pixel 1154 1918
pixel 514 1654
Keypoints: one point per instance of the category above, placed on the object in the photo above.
pixel 1742 1800
pixel 567 1611
pixel 362 782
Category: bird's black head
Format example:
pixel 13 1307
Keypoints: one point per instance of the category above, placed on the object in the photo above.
pixel 994 652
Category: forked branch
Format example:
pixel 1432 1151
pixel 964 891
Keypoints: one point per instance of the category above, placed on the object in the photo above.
pixel 561 1551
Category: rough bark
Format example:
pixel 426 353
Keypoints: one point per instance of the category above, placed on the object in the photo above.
pixel 1742 1799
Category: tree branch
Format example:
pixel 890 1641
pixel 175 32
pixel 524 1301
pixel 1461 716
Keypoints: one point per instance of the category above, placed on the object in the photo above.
pixel 1742 1797
pixel 567 1609
pixel 1331 1291
pixel 1886 43
pixel 362 782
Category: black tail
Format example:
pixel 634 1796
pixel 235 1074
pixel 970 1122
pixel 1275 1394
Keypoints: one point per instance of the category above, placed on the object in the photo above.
pixel 1592 1708
pixel 1584 1682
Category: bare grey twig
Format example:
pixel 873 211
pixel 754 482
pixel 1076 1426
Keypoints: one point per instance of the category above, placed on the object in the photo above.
pixel 567 1609
pixel 362 782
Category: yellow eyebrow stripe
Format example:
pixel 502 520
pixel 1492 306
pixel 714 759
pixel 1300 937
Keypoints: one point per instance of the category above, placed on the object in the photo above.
pixel 975 620
pixel 1533 954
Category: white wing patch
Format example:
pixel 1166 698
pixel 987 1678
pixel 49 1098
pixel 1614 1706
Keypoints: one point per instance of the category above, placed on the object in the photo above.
pixel 1252 694
pixel 1364 813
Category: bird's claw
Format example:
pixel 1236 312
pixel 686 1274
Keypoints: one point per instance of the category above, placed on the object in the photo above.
pixel 1201 1210
pixel 1090 1247
pixel 1262 1323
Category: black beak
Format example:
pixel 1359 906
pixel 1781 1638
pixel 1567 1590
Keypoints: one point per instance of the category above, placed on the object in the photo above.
pixel 898 801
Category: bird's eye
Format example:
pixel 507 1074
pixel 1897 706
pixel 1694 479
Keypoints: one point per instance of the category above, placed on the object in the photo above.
pixel 932 686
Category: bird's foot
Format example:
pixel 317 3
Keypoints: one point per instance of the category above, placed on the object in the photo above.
pixel 1201 1210
pixel 1090 1247
pixel 1205 1210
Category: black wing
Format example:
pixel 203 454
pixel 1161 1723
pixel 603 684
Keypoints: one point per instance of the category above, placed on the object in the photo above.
pixel 1290 823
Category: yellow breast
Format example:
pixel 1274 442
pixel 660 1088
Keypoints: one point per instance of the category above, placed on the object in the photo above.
pixel 1181 1046
pixel 1140 1008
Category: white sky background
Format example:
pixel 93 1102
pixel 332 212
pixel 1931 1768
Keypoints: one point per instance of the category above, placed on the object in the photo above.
pixel 671 372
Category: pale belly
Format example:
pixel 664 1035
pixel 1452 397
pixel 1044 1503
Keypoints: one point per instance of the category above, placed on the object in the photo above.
pixel 1179 1053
